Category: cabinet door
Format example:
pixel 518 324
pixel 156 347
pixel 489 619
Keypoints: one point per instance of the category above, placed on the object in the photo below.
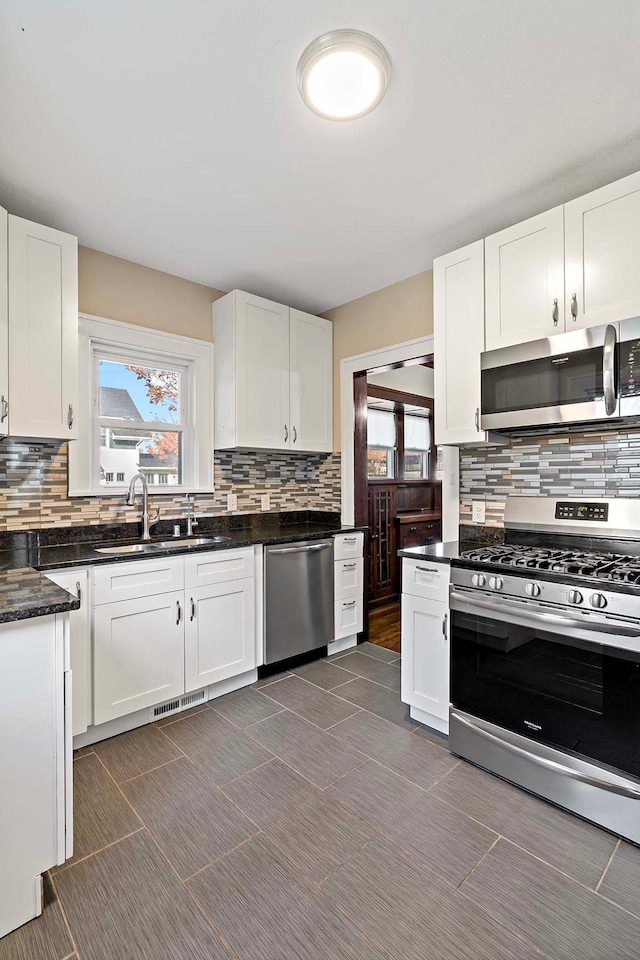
pixel 76 582
pixel 311 397
pixel 43 331
pixel 603 255
pixel 4 327
pixel 524 281
pixel 220 637
pixel 425 655
pixel 138 654
pixel 262 384
pixel 458 294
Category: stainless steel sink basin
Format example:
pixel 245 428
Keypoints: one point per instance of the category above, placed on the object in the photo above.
pixel 152 545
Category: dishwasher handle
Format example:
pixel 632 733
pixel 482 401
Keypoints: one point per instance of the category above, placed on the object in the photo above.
pixel 313 548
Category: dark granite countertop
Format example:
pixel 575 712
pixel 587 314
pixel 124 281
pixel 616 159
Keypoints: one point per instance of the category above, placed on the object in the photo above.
pixel 25 593
pixel 450 550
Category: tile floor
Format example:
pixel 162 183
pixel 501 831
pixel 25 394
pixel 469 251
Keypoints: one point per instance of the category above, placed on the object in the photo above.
pixel 308 817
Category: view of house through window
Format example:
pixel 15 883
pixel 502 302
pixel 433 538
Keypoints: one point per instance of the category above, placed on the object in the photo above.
pixel 140 413
pixel 382 446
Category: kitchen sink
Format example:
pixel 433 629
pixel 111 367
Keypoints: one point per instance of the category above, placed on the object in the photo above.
pixel 150 546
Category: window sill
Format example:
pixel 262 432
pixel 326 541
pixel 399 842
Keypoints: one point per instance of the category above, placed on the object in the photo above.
pixel 153 492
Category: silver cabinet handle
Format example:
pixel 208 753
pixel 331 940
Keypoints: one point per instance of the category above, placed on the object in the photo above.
pixel 349 539
pixel 193 609
pixel 178 612
pixel 555 313
pixel 609 370
pixel 477 419
pixel 295 434
pixel 444 625
pixel 625 790
pixel 428 569
pixel 70 416
pixel 348 566
pixel 574 306
pixel 310 549
pixel 350 603
pixel 78 591
pixel 286 433
pixel 4 409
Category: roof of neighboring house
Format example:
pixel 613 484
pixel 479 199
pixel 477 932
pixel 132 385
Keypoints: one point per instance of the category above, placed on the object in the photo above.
pixel 116 402
pixel 148 461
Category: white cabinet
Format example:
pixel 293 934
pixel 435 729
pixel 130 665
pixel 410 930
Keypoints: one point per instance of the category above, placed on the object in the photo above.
pixel 603 255
pixel 220 639
pixel 273 376
pixel 76 582
pixel 138 654
pixel 524 281
pixel 4 325
pixel 425 641
pixel 348 587
pixel 458 298
pixel 42 332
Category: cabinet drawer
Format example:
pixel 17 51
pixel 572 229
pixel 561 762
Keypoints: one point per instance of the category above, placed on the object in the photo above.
pixel 346 546
pixel 417 532
pixel 201 569
pixel 348 617
pixel 424 578
pixel 348 580
pixel 137 578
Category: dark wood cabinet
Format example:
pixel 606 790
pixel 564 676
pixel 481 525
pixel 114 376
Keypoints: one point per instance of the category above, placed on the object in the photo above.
pixel 413 531
pixel 383 562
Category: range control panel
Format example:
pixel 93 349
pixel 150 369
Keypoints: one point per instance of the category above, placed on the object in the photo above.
pixel 582 511
pixel 629 368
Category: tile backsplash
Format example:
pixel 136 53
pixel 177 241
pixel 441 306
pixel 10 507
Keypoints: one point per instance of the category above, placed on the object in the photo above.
pixel 33 487
pixel 577 465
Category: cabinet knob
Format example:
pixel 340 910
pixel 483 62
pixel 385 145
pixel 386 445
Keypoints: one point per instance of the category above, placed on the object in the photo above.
pixel 555 312
pixel 574 306
pixel 412 529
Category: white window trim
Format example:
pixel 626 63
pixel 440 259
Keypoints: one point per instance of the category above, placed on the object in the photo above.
pixel 98 334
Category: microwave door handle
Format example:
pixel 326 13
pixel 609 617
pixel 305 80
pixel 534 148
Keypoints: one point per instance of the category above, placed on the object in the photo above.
pixel 609 370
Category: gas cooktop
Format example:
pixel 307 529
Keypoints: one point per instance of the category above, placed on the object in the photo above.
pixel 603 566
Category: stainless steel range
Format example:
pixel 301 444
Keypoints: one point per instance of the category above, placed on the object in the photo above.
pixel 545 656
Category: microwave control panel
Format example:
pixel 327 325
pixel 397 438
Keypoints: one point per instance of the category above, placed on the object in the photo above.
pixel 582 511
pixel 629 368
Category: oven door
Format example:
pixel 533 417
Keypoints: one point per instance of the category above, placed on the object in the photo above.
pixel 567 379
pixel 571 682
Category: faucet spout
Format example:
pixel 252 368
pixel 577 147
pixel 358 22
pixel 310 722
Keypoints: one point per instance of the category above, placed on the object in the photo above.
pixel 147 520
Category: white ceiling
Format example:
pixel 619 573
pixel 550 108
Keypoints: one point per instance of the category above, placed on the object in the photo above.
pixel 173 134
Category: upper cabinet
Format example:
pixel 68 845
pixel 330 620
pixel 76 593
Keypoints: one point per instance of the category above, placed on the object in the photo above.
pixel 524 281
pixel 458 300
pixel 4 324
pixel 39 334
pixel 273 376
pixel 603 255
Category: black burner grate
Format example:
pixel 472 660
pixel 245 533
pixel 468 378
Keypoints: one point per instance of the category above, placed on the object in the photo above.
pixel 606 566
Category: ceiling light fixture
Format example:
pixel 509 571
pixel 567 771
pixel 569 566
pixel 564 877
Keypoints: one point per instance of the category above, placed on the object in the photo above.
pixel 344 74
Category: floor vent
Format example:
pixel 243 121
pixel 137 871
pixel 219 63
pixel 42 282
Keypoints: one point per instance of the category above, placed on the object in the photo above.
pixel 180 704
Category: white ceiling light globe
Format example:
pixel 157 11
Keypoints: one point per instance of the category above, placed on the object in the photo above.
pixel 343 75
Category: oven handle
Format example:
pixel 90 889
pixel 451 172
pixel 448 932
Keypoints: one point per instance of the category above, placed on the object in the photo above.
pixel 609 370
pixel 622 789
pixel 526 618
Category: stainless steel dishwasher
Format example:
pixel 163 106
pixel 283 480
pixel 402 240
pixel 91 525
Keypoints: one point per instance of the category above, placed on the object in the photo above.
pixel 298 598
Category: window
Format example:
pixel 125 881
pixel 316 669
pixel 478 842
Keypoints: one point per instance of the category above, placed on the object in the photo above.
pixel 417 444
pixel 381 444
pixel 151 411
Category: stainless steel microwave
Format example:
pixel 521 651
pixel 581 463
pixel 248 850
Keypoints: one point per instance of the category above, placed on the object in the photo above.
pixel 586 379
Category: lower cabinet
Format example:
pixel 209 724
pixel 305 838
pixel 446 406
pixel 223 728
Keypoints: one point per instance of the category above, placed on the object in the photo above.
pixel 138 654
pixel 425 659
pixel 219 637
pixel 76 582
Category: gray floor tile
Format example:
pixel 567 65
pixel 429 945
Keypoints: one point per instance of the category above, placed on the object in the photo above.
pixel 316 832
pixel 379 700
pixel 415 915
pixel 444 839
pixel 564 841
pixel 426 733
pixel 223 751
pixel 311 752
pixel 244 707
pixel 82 752
pixel 263 909
pixel 45 938
pixel 272 679
pixel 622 880
pixel 127 903
pixel 377 652
pixel 192 821
pixel 411 757
pixel 560 917
pixel 308 701
pixel 101 815
pixel 324 674
pixel 183 715
pixel 136 752
pixel 386 674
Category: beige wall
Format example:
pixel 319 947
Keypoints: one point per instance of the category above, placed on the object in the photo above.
pixel 121 290
pixel 403 311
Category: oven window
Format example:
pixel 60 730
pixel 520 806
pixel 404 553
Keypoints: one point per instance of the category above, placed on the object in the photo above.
pixel 568 693
pixel 549 382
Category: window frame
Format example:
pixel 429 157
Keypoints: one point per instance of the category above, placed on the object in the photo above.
pixel 128 343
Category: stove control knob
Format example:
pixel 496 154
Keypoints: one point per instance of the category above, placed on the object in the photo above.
pixel 574 596
pixel 496 583
pixel 532 590
pixel 598 600
pixel 478 580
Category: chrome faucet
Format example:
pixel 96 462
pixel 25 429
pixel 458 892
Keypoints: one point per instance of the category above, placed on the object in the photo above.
pixel 147 520
pixel 191 520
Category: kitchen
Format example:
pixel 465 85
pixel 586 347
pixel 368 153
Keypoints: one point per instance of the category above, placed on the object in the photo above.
pixel 204 754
